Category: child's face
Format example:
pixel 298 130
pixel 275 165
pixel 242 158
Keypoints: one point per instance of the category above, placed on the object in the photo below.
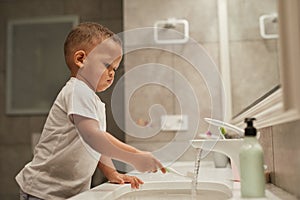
pixel 110 60
pixel 98 68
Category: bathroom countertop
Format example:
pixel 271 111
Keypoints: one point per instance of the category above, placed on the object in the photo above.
pixel 207 174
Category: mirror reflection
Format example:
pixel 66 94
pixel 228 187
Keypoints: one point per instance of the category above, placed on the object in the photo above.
pixel 253 51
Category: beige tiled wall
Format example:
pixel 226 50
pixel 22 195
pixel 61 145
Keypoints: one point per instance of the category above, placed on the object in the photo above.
pixel 254 61
pixel 201 14
pixel 243 17
pixel 203 23
pixel 282 150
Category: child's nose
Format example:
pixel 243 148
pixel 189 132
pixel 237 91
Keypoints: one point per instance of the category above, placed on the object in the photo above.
pixel 111 72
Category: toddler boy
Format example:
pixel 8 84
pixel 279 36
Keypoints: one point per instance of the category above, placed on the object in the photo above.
pixel 74 140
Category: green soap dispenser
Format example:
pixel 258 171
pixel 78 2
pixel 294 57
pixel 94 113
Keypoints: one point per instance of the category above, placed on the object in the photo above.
pixel 251 164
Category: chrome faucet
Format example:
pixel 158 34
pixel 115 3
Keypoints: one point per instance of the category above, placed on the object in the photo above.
pixel 228 147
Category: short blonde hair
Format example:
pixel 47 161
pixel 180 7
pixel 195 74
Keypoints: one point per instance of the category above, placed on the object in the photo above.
pixel 85 37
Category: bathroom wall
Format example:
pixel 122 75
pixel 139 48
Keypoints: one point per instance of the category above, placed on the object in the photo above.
pixel 16 130
pixel 203 22
pixel 245 43
pixel 281 151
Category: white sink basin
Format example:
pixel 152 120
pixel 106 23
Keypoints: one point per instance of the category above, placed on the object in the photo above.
pixel 166 190
pixel 213 183
pixel 176 191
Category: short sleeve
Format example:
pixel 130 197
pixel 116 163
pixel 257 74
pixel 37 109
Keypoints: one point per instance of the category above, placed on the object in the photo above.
pixel 83 101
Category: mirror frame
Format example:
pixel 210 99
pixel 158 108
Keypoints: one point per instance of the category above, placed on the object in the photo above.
pixel 13 78
pixel 284 104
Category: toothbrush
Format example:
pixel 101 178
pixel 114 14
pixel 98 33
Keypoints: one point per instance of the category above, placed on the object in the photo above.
pixel 222 132
pixel 171 170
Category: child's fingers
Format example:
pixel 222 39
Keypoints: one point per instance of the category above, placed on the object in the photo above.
pixel 135 184
pixel 134 181
pixel 161 167
pixel 140 181
pixel 163 170
pixel 117 180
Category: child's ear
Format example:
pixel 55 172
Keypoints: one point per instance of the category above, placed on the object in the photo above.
pixel 79 57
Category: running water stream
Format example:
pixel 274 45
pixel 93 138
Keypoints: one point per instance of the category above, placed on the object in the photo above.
pixel 196 173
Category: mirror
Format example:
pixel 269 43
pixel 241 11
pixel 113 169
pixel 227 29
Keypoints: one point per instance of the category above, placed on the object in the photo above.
pixel 253 56
pixel 281 105
pixel 33 60
pixel 250 41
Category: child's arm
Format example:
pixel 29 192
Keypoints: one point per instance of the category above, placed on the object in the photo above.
pixel 120 144
pixel 109 146
pixel 106 166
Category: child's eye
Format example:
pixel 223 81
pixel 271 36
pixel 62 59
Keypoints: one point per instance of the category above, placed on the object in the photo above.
pixel 106 65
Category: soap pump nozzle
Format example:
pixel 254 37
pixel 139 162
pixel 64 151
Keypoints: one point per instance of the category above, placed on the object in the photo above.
pixel 250 130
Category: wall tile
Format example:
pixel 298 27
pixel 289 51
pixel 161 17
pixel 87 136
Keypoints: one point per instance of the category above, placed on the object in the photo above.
pixel 286 140
pixel 13 158
pixel 37 123
pixel 162 136
pixel 243 17
pixel 196 78
pixel 112 9
pixel 35 8
pixel 80 8
pixel 266 141
pixel 203 25
pixel 203 28
pixel 252 60
pixel 15 130
pixel 145 96
pixel 195 63
pixel 106 10
pixel 141 105
pixel 212 49
pixel 136 57
pixel 2 95
pixel 2 46
pixel 115 25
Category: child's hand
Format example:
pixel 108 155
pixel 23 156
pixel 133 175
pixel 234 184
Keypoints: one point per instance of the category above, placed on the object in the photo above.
pixel 118 178
pixel 145 162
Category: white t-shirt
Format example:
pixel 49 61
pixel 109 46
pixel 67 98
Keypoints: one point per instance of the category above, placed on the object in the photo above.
pixel 63 163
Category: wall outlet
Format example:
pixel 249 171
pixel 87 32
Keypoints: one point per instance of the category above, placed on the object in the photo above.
pixel 174 122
